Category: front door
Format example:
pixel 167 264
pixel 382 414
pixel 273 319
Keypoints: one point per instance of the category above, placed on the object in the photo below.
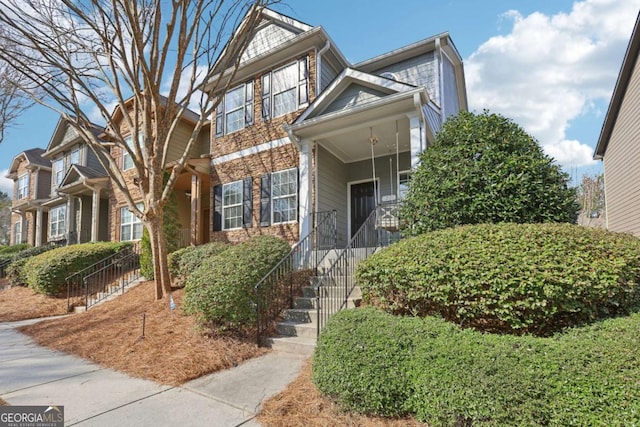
pixel 363 202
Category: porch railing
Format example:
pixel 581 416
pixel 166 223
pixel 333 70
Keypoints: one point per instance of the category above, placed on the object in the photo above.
pixel 336 285
pixel 104 278
pixel 276 290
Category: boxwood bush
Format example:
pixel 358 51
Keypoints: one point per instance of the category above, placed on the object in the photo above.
pixel 46 273
pixel 447 376
pixel 184 261
pixel 531 278
pixel 220 290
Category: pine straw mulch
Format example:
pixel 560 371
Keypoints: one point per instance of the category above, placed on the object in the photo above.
pixel 21 303
pixel 301 404
pixel 171 352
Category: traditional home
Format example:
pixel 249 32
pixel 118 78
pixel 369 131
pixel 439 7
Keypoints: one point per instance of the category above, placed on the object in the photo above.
pixel 619 147
pixel 300 130
pixel 31 173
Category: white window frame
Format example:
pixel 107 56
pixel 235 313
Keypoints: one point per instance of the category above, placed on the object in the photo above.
pixel 57 221
pixel 292 195
pixel 132 222
pixel 125 154
pixel 75 152
pixel 246 106
pixel 17 232
pixel 237 205
pixel 403 191
pixel 299 85
pixel 22 186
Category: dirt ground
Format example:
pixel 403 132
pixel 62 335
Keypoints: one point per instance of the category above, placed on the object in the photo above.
pixel 142 337
pixel 302 405
pixel 20 303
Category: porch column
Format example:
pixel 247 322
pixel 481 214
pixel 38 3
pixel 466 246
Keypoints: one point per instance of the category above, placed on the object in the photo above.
pixel 196 209
pixel 305 204
pixel 415 137
pixel 95 214
pixel 69 222
pixel 39 226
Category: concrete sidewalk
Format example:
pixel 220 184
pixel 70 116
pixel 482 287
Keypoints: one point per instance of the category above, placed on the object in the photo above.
pixel 96 396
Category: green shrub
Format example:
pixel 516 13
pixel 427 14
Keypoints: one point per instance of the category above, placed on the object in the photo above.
pixel 14 248
pixel 46 273
pixel 186 260
pixel 509 277
pixel 16 273
pixel 447 376
pixel 220 290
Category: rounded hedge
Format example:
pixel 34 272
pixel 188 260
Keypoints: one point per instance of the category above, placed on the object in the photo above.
pixel 220 290
pixel 376 363
pixel 516 278
pixel 184 261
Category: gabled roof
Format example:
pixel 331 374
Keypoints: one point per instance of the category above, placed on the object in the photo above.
pixel 349 77
pixel 188 115
pixel 33 157
pixel 79 174
pixel 65 135
pixel 628 65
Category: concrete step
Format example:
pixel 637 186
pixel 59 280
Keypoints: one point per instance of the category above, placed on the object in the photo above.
pixel 295 345
pixel 301 315
pixel 297 329
pixel 304 302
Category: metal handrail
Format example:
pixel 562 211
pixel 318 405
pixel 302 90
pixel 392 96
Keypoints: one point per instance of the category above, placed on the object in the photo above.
pixel 276 290
pixel 335 286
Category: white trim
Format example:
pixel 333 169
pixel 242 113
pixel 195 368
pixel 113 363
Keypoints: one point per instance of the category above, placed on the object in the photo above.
pixel 251 151
pixel 241 204
pixel 349 184
pixel 296 195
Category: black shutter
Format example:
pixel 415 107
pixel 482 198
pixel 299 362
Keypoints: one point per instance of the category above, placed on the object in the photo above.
pixel 247 202
pixel 266 96
pixel 265 200
pixel 220 118
pixel 217 208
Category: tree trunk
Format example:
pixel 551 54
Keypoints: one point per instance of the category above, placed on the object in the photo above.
pixel 159 253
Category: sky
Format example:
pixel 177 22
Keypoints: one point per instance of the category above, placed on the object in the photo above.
pixel 550 65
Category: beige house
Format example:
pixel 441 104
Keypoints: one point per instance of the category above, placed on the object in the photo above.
pixel 619 145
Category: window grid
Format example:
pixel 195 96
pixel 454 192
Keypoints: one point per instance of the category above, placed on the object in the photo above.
pixel 284 193
pixel 127 160
pixel 285 90
pixel 232 205
pixel 23 186
pixel 130 225
pixel 57 221
pixel 17 232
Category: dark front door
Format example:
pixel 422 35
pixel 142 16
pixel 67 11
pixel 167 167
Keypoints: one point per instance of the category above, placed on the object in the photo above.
pixel 363 202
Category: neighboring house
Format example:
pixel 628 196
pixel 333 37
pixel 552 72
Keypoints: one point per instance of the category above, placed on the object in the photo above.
pixel 191 190
pixel 301 130
pixel 31 174
pixel 619 145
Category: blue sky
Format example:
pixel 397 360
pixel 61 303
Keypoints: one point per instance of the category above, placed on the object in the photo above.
pixel 550 65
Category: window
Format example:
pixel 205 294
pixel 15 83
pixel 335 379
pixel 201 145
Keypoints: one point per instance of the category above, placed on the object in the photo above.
pixel 23 186
pixel 232 205
pixel 127 161
pixel 285 90
pixel 130 225
pixel 58 172
pixel 403 184
pixel 284 195
pixel 57 221
pixel 74 157
pixel 235 110
pixel 17 232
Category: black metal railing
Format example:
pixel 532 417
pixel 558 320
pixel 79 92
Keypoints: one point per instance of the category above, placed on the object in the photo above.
pixel 104 278
pixel 26 253
pixel 335 286
pixel 276 290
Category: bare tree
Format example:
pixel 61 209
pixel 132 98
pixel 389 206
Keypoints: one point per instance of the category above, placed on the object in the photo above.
pixel 13 102
pixel 150 58
pixel 591 198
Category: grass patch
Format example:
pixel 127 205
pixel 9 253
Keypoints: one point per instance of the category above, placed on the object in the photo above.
pixel 172 351
pixel 21 303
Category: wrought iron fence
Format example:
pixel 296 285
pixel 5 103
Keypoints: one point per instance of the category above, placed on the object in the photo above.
pixel 335 286
pixel 104 278
pixel 276 290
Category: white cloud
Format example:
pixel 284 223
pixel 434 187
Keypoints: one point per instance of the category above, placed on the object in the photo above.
pixel 6 184
pixel 550 70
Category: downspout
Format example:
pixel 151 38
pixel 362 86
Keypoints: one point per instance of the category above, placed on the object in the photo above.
pixel 319 66
pixel 440 79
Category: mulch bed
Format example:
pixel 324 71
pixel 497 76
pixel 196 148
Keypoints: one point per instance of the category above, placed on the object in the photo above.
pixel 21 303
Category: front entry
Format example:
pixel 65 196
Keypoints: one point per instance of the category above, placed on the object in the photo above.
pixel 363 202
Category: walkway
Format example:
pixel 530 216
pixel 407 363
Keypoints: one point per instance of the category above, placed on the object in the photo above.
pixel 97 396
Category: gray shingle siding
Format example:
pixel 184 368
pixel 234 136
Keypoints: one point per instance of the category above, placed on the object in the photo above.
pixel 354 96
pixel 332 190
pixel 450 104
pixel 267 38
pixel 420 70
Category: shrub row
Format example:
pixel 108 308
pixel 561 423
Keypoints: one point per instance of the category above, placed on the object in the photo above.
pixel 376 363
pixel 220 290
pixel 46 273
pixel 185 261
pixel 534 278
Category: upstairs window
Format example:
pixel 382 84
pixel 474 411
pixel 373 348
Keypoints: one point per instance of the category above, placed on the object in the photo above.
pixel 23 186
pixel 285 90
pixel 235 110
pixel 127 160
pixel 74 157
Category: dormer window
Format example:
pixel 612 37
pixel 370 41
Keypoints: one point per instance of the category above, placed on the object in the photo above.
pixel 58 172
pixel 23 186
pixel 74 157
pixel 285 90
pixel 235 110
